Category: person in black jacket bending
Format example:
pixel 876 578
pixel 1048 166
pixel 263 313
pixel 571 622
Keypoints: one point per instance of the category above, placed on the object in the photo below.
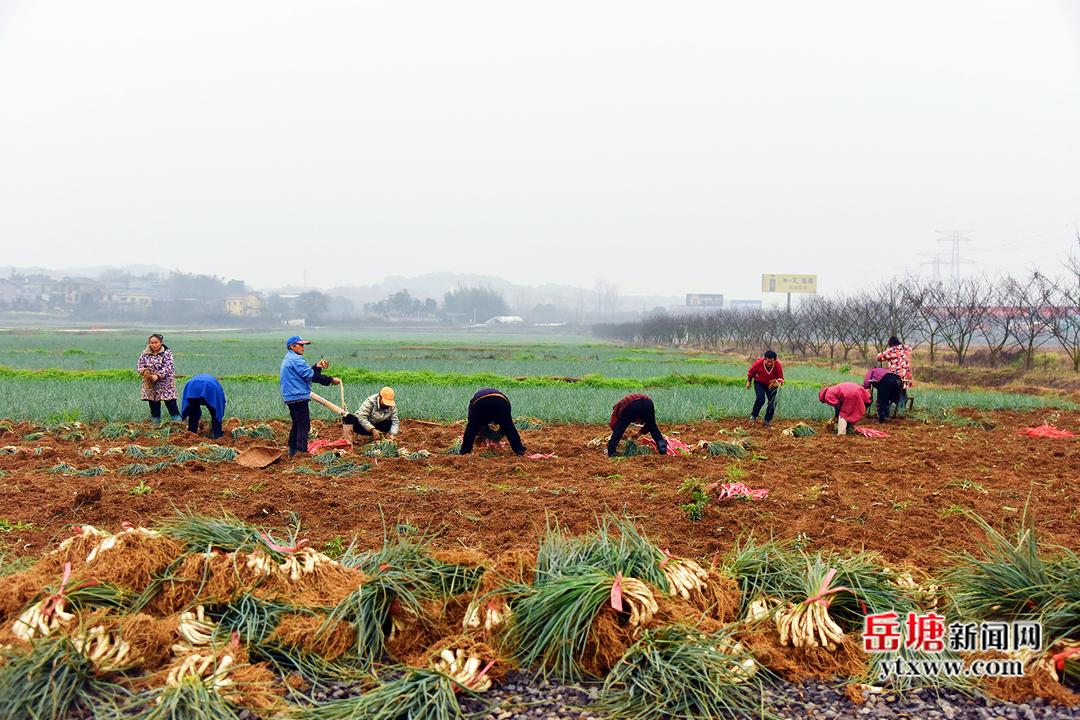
pixel 490 406
pixel 635 408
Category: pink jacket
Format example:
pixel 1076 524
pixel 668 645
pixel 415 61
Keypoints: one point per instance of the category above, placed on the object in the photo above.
pixel 850 397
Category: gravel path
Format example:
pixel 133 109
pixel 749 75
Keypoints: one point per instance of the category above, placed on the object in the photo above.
pixel 527 696
pixel 530 697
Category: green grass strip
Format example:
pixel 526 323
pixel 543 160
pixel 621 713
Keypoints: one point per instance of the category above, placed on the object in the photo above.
pixel 355 376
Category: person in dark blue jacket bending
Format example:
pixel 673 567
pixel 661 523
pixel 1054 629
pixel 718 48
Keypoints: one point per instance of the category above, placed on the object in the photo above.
pixel 634 408
pixel 203 391
pixel 296 379
pixel 490 406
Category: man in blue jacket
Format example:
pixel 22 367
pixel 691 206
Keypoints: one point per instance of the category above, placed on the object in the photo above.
pixel 296 379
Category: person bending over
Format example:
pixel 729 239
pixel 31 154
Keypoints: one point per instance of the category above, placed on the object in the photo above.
pixel 490 406
pixel 203 391
pixel 889 388
pixel 850 401
pixel 635 408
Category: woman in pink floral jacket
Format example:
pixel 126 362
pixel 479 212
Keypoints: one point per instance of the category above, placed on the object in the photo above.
pixel 159 381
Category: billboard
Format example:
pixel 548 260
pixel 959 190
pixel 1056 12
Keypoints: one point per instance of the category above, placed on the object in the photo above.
pixel 745 304
pixel 789 283
pixel 704 299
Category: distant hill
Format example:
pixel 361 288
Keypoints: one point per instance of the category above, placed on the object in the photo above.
pixel 88 272
pixel 519 297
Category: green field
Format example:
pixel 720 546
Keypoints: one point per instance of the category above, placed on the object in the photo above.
pixel 53 374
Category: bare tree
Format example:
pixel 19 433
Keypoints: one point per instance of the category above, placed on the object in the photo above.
pixel 601 288
pixel 522 302
pixel 892 299
pixel 579 305
pixel 612 295
pixel 927 302
pixel 998 325
pixel 824 325
pixel 1031 299
pixel 1065 325
pixel 871 322
pixel 964 307
pixel 791 332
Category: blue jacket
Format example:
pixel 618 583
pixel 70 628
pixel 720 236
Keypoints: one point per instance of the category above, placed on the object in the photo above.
pixel 296 377
pixel 206 388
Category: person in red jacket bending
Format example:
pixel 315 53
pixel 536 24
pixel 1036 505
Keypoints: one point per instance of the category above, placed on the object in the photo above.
pixel 849 400
pixel 767 376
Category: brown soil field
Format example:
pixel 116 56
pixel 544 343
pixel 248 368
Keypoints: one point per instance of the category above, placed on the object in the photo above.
pixel 901 496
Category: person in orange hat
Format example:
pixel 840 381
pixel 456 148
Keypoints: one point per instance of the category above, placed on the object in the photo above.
pixel 377 415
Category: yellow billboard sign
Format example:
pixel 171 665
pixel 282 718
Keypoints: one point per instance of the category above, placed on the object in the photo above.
pixel 789 283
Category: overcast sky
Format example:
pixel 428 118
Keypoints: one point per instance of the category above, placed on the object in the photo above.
pixel 668 147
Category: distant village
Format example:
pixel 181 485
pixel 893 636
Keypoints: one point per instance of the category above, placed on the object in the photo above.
pixel 185 297
pixel 135 297
pixel 119 295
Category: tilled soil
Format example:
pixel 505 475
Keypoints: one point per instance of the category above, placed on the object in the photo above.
pixel 902 496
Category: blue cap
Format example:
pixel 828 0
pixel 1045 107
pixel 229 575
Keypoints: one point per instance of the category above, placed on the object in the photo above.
pixel 296 339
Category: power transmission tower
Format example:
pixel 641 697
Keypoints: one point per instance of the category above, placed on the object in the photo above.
pixel 935 264
pixel 954 238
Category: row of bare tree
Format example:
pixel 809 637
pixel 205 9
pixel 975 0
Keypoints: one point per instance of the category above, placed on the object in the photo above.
pixel 1006 316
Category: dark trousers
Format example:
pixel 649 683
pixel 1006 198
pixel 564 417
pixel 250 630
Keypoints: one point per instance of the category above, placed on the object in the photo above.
pixel 194 410
pixel 301 426
pixel 764 394
pixel 383 426
pixel 641 409
pixel 155 408
pixel 890 391
pixel 487 410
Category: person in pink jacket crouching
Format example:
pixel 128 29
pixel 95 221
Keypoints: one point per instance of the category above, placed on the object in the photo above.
pixel 850 401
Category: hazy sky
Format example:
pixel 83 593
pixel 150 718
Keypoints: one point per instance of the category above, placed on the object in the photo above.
pixel 668 147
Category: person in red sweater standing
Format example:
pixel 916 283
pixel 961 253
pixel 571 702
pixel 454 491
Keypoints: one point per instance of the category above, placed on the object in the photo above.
pixel 766 376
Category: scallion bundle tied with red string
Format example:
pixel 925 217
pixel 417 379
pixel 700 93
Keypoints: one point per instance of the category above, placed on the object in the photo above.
pixel 44 617
pixel 634 597
pixel 807 624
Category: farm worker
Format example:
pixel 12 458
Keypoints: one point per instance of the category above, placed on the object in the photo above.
pixel 888 386
pixel 296 379
pixel 486 407
pixel 203 391
pixel 634 408
pixel 850 400
pixel 898 356
pixel 767 376
pixel 159 381
pixel 377 415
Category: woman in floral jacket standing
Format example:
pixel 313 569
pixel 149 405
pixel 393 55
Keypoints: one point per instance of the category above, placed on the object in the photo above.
pixel 159 381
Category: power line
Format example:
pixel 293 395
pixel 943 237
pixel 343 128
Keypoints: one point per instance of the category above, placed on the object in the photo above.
pixel 1025 241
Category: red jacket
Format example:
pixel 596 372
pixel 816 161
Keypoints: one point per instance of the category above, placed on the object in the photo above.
pixel 758 372
pixel 851 398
